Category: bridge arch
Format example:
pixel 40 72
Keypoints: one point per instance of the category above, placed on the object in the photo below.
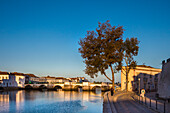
pixel 77 87
pixel 94 88
pixel 57 87
pixel 28 87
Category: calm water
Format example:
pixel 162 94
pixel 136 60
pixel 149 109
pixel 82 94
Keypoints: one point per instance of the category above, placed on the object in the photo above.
pixel 50 102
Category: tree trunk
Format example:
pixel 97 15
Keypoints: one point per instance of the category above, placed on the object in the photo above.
pixel 126 81
pixel 113 84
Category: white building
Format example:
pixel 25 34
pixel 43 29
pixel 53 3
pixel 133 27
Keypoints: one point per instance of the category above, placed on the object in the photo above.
pixel 52 80
pixel 3 75
pixel 78 79
pixel 13 80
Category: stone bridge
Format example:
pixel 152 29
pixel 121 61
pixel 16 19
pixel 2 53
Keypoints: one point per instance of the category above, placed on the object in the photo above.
pixel 86 86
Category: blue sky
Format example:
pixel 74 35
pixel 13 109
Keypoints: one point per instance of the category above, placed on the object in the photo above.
pixel 41 37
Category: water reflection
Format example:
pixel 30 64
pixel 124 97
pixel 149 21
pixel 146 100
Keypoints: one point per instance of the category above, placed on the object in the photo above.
pixel 53 101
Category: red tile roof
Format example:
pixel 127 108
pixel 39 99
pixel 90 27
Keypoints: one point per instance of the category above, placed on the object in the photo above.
pixel 4 73
pixel 30 75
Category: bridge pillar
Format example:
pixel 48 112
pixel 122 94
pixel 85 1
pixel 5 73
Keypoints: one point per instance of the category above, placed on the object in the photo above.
pixel 67 87
pixel 86 88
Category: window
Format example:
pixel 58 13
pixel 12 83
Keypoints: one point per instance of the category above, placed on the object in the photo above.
pixel 144 86
pixel 2 77
pixel 6 77
pixel 150 76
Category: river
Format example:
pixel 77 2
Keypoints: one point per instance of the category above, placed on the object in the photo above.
pixel 23 101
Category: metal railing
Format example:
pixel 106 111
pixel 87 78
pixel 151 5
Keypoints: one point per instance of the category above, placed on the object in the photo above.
pixel 151 103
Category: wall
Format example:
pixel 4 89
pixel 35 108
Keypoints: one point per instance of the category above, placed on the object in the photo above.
pixel 164 82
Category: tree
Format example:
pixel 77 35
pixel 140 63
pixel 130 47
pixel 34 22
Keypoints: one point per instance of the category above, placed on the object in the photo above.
pixel 130 49
pixel 102 50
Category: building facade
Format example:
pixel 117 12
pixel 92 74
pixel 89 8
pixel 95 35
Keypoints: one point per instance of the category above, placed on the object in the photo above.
pixel 78 79
pixel 16 80
pixel 144 76
pixel 3 75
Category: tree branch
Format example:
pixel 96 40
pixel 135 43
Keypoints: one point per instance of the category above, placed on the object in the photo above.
pixel 107 76
pixel 123 73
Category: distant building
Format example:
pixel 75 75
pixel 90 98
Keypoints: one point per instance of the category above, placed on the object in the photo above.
pixel 3 75
pixel 78 79
pixel 52 80
pixel 30 78
pixel 14 80
pixel 61 79
pixel 148 78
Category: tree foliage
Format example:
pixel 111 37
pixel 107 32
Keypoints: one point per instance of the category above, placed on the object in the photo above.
pixel 104 48
pixel 130 50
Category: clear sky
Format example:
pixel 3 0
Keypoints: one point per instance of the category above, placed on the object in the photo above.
pixel 41 36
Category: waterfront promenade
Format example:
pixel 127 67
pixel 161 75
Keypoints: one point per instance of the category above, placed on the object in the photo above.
pixel 122 102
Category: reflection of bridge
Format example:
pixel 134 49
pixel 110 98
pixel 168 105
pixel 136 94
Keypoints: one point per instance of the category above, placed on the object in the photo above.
pixel 86 86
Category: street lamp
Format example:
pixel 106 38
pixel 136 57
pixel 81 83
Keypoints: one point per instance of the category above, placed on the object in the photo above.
pixel 139 85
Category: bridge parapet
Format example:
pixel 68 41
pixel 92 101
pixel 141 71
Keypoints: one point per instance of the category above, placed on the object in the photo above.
pixel 71 86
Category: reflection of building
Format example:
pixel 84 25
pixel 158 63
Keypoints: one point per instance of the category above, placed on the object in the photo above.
pixel 4 97
pixel 148 78
pixel 13 80
pixel 12 96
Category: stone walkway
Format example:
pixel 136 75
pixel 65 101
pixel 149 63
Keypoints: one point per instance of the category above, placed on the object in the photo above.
pixel 122 102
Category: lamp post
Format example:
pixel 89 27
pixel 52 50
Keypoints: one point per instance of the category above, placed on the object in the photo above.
pixel 139 85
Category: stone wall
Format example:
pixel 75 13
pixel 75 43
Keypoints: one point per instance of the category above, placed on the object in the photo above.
pixel 164 82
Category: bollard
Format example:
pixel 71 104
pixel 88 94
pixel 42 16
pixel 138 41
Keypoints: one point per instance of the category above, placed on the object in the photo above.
pixel 150 102
pixel 156 104
pixel 139 99
pixel 145 100
pixel 164 107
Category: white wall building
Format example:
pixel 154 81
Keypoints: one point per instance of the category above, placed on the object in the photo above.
pixel 3 75
pixel 16 80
